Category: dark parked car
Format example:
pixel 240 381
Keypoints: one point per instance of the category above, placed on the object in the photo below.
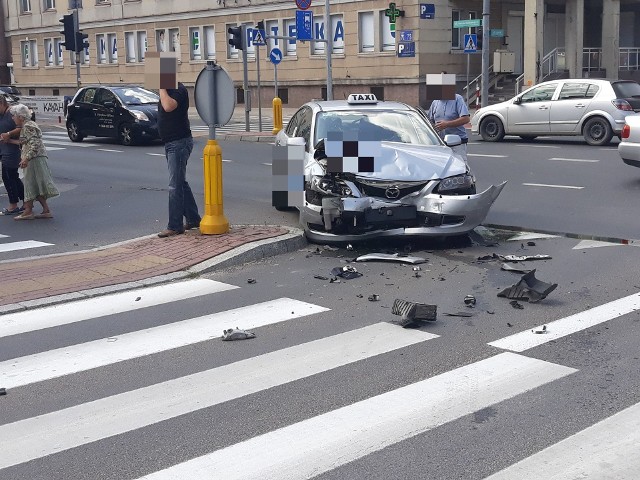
pixel 10 89
pixel 128 113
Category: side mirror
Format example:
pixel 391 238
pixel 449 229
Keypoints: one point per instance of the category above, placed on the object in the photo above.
pixel 319 152
pixel 452 140
pixel 517 100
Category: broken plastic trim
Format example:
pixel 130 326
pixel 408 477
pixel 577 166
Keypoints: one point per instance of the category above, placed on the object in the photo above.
pixel 391 257
pixel 529 288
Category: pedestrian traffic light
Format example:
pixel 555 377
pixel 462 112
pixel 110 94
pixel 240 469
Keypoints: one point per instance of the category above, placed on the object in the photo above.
pixel 237 37
pixel 68 32
pixel 82 41
pixel 260 25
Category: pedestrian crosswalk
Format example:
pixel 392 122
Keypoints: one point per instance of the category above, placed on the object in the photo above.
pixel 66 438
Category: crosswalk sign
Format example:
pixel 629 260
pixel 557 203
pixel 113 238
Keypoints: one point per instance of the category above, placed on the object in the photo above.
pixel 470 43
pixel 258 37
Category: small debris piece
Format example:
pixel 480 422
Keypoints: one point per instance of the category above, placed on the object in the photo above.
pixel 529 288
pixel 349 247
pixel 490 312
pixel 470 301
pixel 493 256
pixel 417 275
pixel 515 304
pixel 237 334
pixel 330 248
pixel 334 280
pixel 522 258
pixel 509 325
pixel 360 295
pixel 347 272
pixel 543 329
pixel 514 268
pixel 251 280
pixel 3 391
pixel 416 269
pixel 320 277
pixel 390 257
pixel 413 313
pixel 479 239
pixel 138 299
pixel 374 298
pixel 459 314
pixel 531 244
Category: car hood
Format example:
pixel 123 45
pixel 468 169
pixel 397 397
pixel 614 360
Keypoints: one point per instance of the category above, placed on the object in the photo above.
pixel 150 111
pixel 415 162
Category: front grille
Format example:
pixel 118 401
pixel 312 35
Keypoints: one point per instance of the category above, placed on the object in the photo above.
pixel 379 191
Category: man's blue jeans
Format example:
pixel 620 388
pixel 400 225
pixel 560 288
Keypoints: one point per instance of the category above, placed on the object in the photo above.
pixel 181 201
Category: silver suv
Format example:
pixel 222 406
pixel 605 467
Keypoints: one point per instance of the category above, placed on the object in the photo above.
pixel 593 108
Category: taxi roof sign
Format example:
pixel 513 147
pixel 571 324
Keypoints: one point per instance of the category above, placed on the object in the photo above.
pixel 362 98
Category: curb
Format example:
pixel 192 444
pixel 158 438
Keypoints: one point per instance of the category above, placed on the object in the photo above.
pixel 250 252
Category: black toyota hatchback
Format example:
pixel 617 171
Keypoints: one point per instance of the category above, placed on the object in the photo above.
pixel 128 113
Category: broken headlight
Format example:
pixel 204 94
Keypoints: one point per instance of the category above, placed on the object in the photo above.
pixel 330 186
pixel 460 184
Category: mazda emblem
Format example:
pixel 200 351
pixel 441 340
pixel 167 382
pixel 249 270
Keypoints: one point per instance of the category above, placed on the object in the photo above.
pixel 392 192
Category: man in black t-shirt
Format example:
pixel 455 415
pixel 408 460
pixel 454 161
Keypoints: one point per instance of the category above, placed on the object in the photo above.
pixel 175 132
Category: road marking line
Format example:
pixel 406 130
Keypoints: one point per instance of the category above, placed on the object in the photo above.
pixel 552 186
pixel 608 449
pixel 4 236
pixel 13 246
pixel 106 351
pixel 53 149
pixel 43 435
pixel 530 236
pixel 483 155
pixel 72 312
pixel 109 150
pixel 320 444
pixel 156 154
pixel 522 341
pixel 69 143
pixel 583 160
pixel 528 145
pixel 267 164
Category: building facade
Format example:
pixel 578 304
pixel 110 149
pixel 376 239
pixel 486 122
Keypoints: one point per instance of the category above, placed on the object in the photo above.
pixel 574 37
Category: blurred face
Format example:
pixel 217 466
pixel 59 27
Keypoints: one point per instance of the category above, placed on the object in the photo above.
pixel 19 121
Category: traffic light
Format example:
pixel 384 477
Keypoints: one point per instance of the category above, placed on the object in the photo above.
pixel 82 41
pixel 260 25
pixel 237 37
pixel 68 32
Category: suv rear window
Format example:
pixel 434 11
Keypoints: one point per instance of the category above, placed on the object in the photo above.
pixel 626 89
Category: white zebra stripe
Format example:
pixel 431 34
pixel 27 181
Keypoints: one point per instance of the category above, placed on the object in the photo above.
pixel 13 246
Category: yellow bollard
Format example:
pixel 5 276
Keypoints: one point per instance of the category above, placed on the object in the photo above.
pixel 277 115
pixel 214 222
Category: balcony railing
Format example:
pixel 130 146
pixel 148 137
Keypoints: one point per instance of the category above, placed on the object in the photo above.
pixel 630 58
pixel 591 59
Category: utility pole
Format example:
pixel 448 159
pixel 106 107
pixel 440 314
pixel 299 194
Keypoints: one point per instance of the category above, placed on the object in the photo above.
pixel 329 48
pixel 484 94
pixel 76 26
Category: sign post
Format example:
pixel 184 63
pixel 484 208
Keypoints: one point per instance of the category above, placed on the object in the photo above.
pixel 470 46
pixel 258 41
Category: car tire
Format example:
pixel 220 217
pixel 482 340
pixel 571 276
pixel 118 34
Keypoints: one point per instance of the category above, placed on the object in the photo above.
pixel 597 131
pixel 74 132
pixel 528 138
pixel 491 129
pixel 125 135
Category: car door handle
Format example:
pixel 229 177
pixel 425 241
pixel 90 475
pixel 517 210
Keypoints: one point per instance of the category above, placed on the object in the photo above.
pixel 580 105
pixel 543 107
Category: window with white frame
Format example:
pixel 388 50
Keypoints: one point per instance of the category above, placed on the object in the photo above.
pixel 75 4
pixel 25 6
pixel 161 41
pixel 84 57
pixel 366 32
pixel 457 34
pixel 135 46
pixel 272 28
pixel 29 50
pixel 141 44
pixel 49 5
pixel 195 43
pixel 387 39
pixel 290 30
pixel 101 46
pixel 250 49
pixel 112 44
pixel 336 36
pixel 53 52
pixel 174 41
pixel 209 37
pixel 232 52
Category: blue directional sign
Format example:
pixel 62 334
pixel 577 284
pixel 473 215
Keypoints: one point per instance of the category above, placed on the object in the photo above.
pixel 470 43
pixel 304 25
pixel 427 11
pixel 275 56
pixel 406 49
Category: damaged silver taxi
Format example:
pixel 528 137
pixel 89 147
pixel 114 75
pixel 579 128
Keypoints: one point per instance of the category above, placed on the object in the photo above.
pixel 393 177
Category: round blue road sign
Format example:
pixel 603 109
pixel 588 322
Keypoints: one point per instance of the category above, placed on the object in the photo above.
pixel 275 56
pixel 303 4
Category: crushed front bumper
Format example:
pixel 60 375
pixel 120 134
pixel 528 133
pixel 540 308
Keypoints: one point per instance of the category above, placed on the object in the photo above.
pixel 420 215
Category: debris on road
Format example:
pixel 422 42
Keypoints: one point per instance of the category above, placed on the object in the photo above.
pixel 509 325
pixel 251 280
pixel 459 314
pixel 334 280
pixel 481 240
pixel 413 313
pixel 542 329
pixel 391 257
pixel 529 288
pixel 514 268
pixel 349 247
pixel 470 301
pixel 374 298
pixel 320 277
pixel 531 244
pixel 3 391
pixel 484 258
pixel 237 334
pixel 347 272
pixel 517 305
pixel 138 299
pixel 522 258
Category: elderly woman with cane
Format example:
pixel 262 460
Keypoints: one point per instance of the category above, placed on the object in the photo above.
pixel 38 183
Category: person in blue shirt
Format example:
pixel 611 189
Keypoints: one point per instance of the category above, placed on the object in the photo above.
pixel 10 157
pixel 449 118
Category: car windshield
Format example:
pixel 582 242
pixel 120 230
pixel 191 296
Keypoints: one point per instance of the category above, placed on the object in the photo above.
pixel 136 96
pixel 626 89
pixel 391 126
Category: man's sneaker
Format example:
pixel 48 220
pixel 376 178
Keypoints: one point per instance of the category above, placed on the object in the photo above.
pixel 191 226
pixel 168 233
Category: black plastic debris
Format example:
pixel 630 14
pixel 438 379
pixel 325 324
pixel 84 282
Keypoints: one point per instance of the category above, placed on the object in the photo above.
pixel 412 313
pixel 3 391
pixel 522 258
pixel 514 268
pixel 517 305
pixel 390 257
pixel 458 314
pixel 529 288
pixel 320 277
pixel 334 280
pixel 138 299
pixel 236 334
pixel 484 258
pixel 542 329
pixel 531 244
pixel 251 280
pixel 347 272
pixel 360 295
pixel 470 301
pixel 509 324
pixel 374 298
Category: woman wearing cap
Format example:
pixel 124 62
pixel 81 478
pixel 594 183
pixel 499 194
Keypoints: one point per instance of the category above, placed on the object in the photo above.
pixel 38 183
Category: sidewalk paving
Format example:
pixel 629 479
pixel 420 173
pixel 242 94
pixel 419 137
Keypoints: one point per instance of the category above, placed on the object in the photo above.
pixel 39 281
